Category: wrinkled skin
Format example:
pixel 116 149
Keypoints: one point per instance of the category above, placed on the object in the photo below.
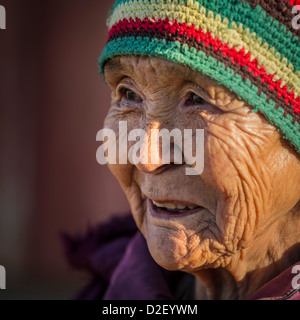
pixel 249 230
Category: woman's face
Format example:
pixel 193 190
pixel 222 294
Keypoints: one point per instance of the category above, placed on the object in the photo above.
pixel 250 176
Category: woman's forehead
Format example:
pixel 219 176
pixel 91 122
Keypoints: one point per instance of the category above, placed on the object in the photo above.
pixel 149 65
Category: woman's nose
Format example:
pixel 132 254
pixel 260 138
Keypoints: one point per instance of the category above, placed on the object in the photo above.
pixel 160 149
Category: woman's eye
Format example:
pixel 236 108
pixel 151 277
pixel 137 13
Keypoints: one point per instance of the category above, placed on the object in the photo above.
pixel 130 95
pixel 194 100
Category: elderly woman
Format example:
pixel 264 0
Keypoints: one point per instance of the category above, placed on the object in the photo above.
pixel 230 67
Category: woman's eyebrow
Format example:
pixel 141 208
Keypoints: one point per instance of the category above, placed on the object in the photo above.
pixel 114 65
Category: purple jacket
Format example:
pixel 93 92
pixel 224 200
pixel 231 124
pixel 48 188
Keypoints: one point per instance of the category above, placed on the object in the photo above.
pixel 116 256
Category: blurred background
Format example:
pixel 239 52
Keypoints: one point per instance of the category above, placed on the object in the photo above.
pixel 52 104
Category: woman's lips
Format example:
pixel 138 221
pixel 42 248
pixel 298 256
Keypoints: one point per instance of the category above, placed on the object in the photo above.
pixel 171 209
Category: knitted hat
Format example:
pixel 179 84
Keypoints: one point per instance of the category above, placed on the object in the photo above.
pixel 250 46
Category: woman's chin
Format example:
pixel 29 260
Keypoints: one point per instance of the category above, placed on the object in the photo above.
pixel 173 250
pixel 180 242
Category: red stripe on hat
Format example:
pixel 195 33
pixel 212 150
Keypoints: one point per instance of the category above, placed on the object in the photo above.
pixel 239 57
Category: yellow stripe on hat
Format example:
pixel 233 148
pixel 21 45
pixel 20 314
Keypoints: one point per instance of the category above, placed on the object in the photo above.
pixel 234 35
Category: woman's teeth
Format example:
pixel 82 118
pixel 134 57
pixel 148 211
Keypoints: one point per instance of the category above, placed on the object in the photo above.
pixel 172 206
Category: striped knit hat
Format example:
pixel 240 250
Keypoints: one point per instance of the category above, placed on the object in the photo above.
pixel 250 46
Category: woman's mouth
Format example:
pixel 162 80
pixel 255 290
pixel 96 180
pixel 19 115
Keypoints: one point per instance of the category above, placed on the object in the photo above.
pixel 171 209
